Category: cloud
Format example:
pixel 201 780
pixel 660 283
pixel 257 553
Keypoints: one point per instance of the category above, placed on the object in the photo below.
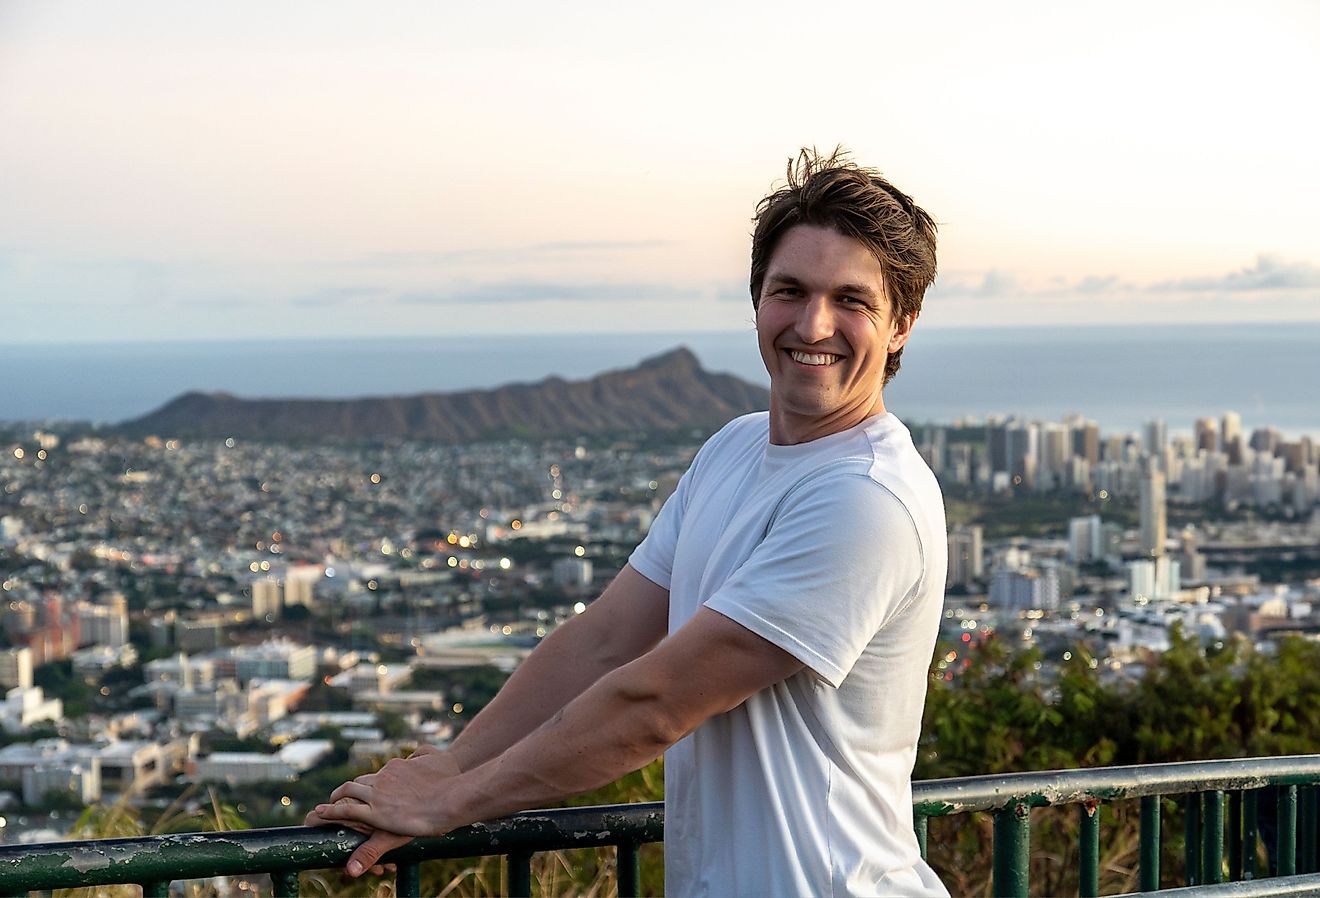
pixel 541 291
pixel 333 296
pixel 734 293
pixel 1099 284
pixel 1269 273
pixel 502 254
pixel 970 284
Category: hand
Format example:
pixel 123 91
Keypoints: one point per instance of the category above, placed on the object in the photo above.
pixel 378 844
pixel 392 805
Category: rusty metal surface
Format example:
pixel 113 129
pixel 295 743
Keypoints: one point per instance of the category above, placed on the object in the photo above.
pixel 1050 787
pixel 196 855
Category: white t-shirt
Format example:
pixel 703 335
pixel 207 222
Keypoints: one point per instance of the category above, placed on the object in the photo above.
pixel 835 551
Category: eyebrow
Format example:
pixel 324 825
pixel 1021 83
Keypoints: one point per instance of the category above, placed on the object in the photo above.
pixel 789 280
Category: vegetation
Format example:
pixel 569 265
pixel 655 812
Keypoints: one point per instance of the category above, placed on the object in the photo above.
pixel 1003 711
pixel 1000 714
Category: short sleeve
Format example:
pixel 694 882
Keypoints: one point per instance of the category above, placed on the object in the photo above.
pixel 840 558
pixel 654 556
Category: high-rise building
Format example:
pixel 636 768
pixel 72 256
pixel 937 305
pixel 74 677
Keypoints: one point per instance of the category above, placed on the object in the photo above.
pixel 1038 589
pixel 16 668
pixel 1190 561
pixel 1155 437
pixel 299 585
pixel 1023 452
pixel 1206 434
pixel 267 598
pixel 1230 429
pixel 103 624
pixel 966 555
pixel 1157 578
pixel 1154 513
pixel 1085 539
pixel 1054 455
pixel 1085 440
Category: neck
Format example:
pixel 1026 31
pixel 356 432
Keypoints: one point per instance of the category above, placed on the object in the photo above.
pixel 788 429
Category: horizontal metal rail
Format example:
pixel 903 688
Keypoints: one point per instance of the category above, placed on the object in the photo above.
pixel 150 860
pixel 936 798
pixel 1252 888
pixel 1219 820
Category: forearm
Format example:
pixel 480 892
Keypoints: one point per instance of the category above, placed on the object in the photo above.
pixel 622 721
pixel 627 620
pixel 619 724
pixel 551 677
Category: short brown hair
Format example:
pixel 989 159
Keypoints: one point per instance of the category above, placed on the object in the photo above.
pixel 832 192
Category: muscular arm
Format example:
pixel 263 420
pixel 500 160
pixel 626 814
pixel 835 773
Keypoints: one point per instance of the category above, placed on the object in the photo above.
pixel 628 619
pixel 625 719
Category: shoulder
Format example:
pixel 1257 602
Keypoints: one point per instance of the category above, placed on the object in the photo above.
pixel 753 427
pixel 853 501
pixel 746 433
pixel 899 467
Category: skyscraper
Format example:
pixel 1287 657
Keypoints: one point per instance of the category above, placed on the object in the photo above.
pixel 1231 437
pixel 1154 520
pixel 1155 437
pixel 966 555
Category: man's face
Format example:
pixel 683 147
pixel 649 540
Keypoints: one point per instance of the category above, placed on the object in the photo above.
pixel 825 327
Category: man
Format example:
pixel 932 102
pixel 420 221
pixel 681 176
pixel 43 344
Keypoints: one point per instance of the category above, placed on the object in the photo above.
pixel 773 631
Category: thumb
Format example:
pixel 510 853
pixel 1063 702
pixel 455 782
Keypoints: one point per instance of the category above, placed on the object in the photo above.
pixel 366 855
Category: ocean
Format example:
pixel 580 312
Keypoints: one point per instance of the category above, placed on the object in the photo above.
pixel 1119 376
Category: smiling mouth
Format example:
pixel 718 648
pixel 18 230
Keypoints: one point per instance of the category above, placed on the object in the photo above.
pixel 815 359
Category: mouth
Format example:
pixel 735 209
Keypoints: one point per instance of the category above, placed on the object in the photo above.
pixel 813 359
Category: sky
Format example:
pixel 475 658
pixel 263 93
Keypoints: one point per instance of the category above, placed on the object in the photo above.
pixel 176 171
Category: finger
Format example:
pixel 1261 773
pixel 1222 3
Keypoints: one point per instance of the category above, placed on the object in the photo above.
pixel 351 789
pixel 369 852
pixel 343 813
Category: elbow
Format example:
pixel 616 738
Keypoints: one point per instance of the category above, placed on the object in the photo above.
pixel 656 720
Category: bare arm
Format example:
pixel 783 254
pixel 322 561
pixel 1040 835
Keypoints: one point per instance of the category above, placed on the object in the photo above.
pixel 628 619
pixel 624 720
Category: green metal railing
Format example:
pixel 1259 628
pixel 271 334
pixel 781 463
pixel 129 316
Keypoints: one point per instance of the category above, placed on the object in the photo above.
pixel 1210 843
pixel 1221 820
pixel 155 861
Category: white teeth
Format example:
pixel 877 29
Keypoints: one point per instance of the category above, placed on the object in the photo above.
pixel 814 358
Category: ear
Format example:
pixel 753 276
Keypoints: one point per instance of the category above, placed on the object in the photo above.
pixel 902 331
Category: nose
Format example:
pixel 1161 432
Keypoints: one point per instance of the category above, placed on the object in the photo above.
pixel 815 320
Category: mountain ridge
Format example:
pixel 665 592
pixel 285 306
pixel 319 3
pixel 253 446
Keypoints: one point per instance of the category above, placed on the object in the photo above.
pixel 667 392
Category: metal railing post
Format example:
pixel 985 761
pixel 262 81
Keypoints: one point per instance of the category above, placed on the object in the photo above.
pixel 1012 851
pixel 408 881
pixel 519 865
pixel 921 825
pixel 629 864
pixel 1286 832
pixel 1192 837
pixel 1150 843
pixel 1089 875
pixel 1234 835
pixel 1212 829
pixel 1307 834
pixel 1250 832
pixel 285 883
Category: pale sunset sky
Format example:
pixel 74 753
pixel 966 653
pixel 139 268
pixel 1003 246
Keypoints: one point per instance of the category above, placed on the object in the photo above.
pixel 245 169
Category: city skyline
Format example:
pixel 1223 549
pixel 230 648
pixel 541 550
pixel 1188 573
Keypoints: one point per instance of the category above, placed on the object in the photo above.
pixel 339 170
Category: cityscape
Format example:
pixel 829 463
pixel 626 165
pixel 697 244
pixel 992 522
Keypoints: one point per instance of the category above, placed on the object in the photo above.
pixel 261 617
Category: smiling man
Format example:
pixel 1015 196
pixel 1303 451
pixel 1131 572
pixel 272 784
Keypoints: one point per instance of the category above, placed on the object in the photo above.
pixel 772 633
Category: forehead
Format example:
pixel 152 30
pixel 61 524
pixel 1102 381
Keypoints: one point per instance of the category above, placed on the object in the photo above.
pixel 824 257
